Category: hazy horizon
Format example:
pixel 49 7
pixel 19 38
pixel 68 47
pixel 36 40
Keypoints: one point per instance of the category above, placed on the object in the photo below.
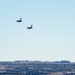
pixel 52 37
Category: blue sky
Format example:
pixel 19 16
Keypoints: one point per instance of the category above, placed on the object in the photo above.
pixel 52 37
